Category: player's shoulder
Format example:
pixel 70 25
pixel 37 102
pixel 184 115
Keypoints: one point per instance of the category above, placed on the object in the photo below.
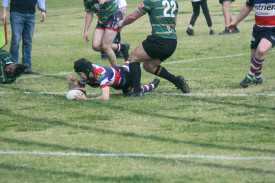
pixel 100 68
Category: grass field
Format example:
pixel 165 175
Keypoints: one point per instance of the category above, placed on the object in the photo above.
pixel 218 133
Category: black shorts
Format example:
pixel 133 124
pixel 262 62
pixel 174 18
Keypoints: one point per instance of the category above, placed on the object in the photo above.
pixel 222 1
pixel 258 34
pixel 159 48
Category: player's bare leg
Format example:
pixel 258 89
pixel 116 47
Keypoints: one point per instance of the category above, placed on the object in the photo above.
pixel 97 39
pixel 107 42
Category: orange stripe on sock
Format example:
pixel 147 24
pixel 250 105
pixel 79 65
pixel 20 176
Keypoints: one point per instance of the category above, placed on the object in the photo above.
pixel 159 70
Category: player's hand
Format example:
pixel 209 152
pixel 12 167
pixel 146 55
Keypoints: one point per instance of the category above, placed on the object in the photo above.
pixel 43 17
pixel 120 24
pixel 86 37
pixel 70 79
pixel 232 25
pixel 80 96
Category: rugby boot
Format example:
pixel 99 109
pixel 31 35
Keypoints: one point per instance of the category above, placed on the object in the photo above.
pixel 246 82
pixel 182 85
pixel 225 32
pixel 126 51
pixel 190 32
pixel 211 32
pixel 136 94
pixel 256 81
pixel 235 30
pixel 156 82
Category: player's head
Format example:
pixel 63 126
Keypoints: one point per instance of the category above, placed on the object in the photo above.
pixel 14 69
pixel 83 66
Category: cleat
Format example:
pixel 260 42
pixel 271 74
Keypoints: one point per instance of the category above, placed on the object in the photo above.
pixel 225 32
pixel 119 54
pixel 212 32
pixel 246 82
pixel 235 30
pixel 136 94
pixel 126 51
pixel 256 82
pixel 156 82
pixel 182 85
pixel 103 56
pixel 190 32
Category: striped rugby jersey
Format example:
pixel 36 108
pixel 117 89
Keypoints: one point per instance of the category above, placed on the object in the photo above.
pixel 264 13
pixel 105 76
pixel 103 11
pixel 162 15
pixel 5 58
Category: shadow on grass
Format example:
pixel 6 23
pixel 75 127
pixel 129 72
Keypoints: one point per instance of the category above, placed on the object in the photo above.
pixel 130 134
pixel 47 172
pixel 48 145
pixel 157 161
pixel 34 92
pixel 232 104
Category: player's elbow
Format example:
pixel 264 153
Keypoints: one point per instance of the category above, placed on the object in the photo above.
pixel 131 18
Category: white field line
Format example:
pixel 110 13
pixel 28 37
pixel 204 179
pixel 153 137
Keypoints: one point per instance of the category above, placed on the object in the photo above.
pixel 206 58
pixel 169 156
pixel 209 58
pixel 42 75
pixel 179 61
pixel 204 69
pixel 219 94
pixel 158 93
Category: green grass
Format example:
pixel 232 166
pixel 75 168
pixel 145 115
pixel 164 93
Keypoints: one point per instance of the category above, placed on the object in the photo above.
pixel 219 118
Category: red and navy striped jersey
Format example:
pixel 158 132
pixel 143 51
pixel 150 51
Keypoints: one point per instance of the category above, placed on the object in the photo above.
pixel 264 13
pixel 105 76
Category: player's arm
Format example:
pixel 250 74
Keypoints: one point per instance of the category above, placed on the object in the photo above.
pixel 105 93
pixel 89 18
pixel 133 16
pixel 243 13
pixel 71 81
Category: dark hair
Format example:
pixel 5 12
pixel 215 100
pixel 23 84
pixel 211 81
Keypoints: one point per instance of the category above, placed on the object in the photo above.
pixel 83 65
pixel 19 69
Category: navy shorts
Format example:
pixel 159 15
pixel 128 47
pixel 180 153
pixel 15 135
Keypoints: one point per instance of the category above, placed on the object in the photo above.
pixel 160 48
pixel 112 23
pixel 222 1
pixel 258 34
pixel 127 86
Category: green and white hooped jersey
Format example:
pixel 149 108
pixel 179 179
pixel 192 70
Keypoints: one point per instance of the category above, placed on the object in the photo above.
pixel 5 58
pixel 103 11
pixel 162 15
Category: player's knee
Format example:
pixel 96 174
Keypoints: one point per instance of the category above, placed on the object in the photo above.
pixel 149 68
pixel 104 47
pixel 96 47
pixel 261 51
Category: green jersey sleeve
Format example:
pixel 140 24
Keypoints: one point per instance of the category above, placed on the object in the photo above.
pixel 146 6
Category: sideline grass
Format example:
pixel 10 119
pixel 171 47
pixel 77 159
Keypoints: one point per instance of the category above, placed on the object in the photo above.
pixel 158 124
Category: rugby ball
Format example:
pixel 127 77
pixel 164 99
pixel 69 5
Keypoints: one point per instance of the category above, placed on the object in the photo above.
pixel 74 92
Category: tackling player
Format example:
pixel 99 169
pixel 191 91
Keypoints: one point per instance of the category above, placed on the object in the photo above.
pixel 104 77
pixel 157 47
pixel 263 36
